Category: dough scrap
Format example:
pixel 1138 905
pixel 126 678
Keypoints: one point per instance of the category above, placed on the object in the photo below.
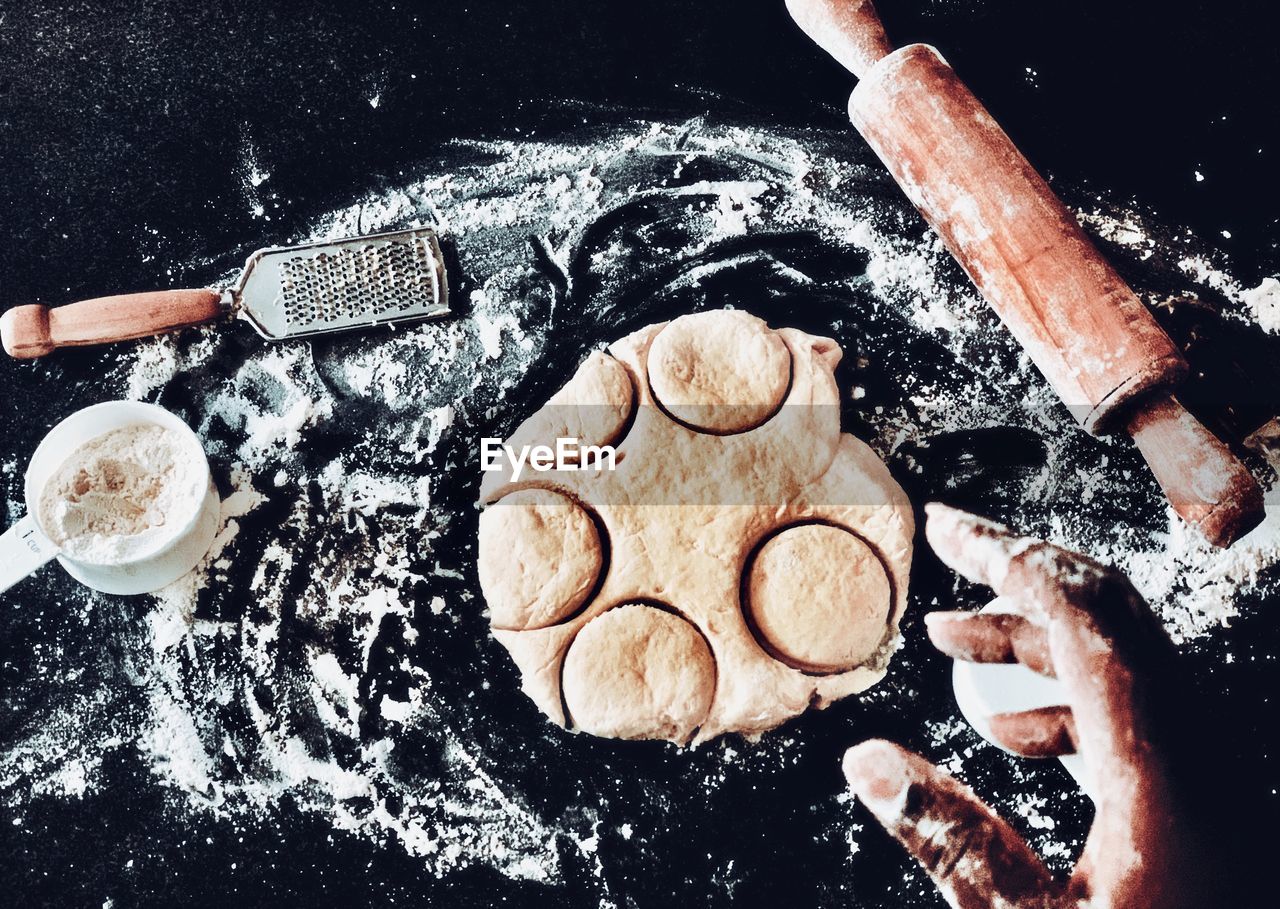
pixel 722 371
pixel 681 518
pixel 639 672
pixel 539 558
pixel 819 597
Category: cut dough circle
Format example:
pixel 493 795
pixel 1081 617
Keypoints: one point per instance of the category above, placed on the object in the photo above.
pixel 539 558
pixel 819 598
pixel 639 672
pixel 723 371
pixel 593 406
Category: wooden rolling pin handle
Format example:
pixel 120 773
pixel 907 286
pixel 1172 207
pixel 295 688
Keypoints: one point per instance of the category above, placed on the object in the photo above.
pixel 1205 483
pixel 849 30
pixel 33 331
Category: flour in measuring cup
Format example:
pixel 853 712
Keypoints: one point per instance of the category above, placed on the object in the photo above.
pixel 123 495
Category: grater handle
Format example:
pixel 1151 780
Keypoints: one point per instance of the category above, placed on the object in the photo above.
pixel 33 331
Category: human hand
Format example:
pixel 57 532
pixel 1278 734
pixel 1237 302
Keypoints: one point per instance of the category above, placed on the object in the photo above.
pixel 1157 839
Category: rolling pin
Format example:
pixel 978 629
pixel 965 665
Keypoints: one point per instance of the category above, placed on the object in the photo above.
pixel 1084 328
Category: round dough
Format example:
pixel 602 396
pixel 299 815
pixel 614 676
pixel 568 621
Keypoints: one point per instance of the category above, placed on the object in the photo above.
pixel 819 597
pixel 539 558
pixel 723 371
pixel 592 407
pixel 639 672
pixel 680 517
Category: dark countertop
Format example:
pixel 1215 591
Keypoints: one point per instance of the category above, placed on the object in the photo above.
pixel 128 137
pixel 125 125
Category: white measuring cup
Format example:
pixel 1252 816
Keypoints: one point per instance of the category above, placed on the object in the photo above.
pixel 985 689
pixel 25 546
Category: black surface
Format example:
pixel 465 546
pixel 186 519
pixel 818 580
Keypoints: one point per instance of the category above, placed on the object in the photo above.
pixel 123 126
pixel 123 136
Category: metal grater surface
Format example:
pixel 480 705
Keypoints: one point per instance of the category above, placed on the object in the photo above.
pixel 335 285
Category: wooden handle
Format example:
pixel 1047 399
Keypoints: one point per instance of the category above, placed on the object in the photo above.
pixel 1204 482
pixel 849 30
pixel 1078 320
pixel 33 331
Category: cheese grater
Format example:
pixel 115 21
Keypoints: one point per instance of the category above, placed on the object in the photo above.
pixel 283 292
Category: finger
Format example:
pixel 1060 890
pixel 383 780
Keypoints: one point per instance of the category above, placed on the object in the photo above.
pixel 1041 733
pixel 976 859
pixel 1106 647
pixel 979 549
pixel 1105 644
pixel 990 637
pixel 1112 656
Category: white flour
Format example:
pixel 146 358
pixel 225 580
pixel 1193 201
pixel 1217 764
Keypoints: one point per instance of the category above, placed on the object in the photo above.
pixel 1263 302
pixel 123 495
pixel 319 722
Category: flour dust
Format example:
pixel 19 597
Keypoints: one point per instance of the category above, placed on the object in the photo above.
pixel 333 636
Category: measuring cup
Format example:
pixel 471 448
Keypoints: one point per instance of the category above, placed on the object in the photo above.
pixel 985 689
pixel 25 546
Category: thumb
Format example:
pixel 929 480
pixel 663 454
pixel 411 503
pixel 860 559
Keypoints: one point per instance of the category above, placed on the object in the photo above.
pixel 977 860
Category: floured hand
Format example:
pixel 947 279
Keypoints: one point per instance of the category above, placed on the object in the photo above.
pixel 1159 837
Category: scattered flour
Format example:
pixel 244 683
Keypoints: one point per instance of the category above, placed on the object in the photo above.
pixel 339 562
pixel 1260 304
pixel 1263 302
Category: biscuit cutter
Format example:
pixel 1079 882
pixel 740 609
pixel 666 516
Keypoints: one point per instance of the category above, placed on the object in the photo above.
pixel 283 292
pixel 984 689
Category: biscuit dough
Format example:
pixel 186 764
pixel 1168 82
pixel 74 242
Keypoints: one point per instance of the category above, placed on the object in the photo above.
pixel 819 598
pixel 721 371
pixel 639 672
pixel 706 553
pixel 539 558
pixel 593 407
